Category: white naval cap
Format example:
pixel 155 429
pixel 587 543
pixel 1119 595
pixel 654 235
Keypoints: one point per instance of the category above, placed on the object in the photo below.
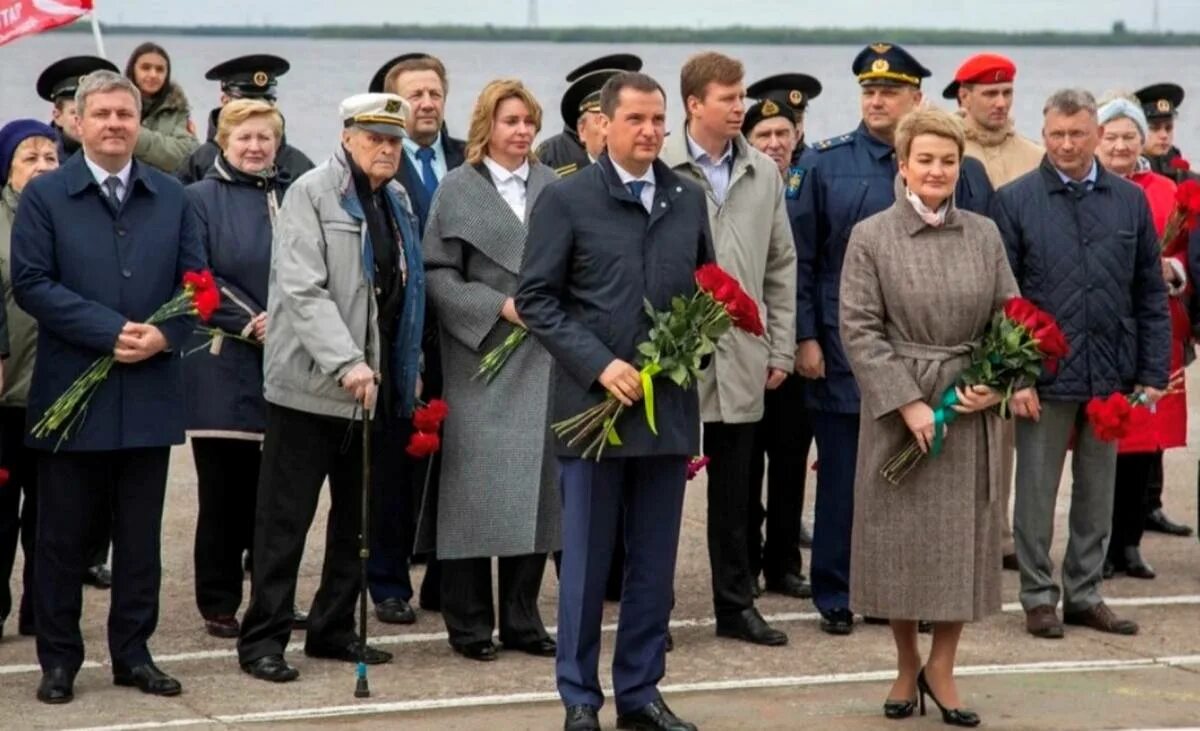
pixel 385 114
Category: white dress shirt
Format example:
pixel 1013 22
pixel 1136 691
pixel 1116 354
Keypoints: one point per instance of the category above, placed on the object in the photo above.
pixel 648 179
pixel 100 174
pixel 510 184
pixel 717 171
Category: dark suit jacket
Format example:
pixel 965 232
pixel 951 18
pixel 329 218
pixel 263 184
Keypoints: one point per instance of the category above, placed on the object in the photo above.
pixel 410 177
pixel 82 271
pixel 593 258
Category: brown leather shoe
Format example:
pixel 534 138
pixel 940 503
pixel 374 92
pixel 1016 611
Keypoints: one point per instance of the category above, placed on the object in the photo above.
pixel 1042 621
pixel 1100 618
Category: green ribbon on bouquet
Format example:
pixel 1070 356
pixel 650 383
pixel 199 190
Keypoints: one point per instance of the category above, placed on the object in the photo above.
pixel 647 374
pixel 943 415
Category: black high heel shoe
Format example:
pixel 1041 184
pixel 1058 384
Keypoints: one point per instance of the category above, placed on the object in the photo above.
pixel 897 710
pixel 950 716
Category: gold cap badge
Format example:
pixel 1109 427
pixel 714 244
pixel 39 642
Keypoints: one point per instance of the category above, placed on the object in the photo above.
pixel 880 65
pixel 881 48
pixel 1163 105
pixel 795 97
pixel 770 108
pixel 392 106
pixel 261 78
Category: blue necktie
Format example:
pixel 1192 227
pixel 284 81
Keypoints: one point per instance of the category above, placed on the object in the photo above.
pixel 636 187
pixel 428 176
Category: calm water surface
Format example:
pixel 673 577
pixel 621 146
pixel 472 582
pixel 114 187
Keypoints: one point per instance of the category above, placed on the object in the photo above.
pixel 326 71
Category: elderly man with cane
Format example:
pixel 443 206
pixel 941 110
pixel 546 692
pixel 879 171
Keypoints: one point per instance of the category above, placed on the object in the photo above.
pixel 347 294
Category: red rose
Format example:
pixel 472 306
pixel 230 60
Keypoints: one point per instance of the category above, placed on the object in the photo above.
pixel 429 417
pixel 1021 311
pixel 423 444
pixel 1110 417
pixel 1187 197
pixel 1050 339
pixel 695 466
pixel 1180 164
pixel 744 313
pixel 709 277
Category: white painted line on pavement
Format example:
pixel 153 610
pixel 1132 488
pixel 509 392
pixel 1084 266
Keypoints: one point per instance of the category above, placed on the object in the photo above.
pixel 1083 666
pixel 418 638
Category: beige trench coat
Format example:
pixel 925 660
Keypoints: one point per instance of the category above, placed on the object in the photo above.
pixel 913 300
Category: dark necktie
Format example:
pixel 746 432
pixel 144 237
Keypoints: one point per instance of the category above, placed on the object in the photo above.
pixel 1078 189
pixel 636 187
pixel 112 188
pixel 428 176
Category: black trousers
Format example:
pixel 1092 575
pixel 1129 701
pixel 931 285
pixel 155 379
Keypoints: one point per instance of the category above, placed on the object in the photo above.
pixel 18 514
pixel 99 539
pixel 1154 486
pixel 301 450
pixel 72 488
pixel 467 603
pixel 1130 497
pixel 784 436
pixel 393 523
pixel 730 448
pixel 227 485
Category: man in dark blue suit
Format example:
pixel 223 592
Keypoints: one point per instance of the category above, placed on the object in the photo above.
pixel 429 153
pixel 603 241
pixel 851 179
pixel 97 247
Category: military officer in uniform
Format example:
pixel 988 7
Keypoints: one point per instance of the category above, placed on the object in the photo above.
pixel 565 151
pixel 57 85
pixel 245 77
pixel 793 91
pixel 852 178
pixel 1161 103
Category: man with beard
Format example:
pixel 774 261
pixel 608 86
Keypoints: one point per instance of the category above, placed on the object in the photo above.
pixel 566 151
pixel 853 178
pixel 244 77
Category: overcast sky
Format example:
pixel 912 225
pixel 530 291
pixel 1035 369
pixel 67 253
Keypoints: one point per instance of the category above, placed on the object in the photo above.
pixel 1178 15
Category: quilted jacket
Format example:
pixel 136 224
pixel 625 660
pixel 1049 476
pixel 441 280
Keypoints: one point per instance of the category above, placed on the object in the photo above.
pixel 1091 259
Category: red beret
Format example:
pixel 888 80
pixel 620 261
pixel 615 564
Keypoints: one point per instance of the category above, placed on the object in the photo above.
pixel 982 68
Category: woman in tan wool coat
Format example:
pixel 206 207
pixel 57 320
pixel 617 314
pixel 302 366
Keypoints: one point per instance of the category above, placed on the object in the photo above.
pixel 920 283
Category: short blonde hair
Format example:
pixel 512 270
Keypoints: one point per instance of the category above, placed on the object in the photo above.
pixel 240 110
pixel 928 121
pixel 483 118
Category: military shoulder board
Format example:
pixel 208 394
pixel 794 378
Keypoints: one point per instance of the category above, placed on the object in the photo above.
pixel 833 142
pixel 795 176
pixel 567 169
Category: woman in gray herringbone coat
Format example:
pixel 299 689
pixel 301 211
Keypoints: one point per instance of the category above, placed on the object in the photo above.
pixel 921 281
pixel 498 490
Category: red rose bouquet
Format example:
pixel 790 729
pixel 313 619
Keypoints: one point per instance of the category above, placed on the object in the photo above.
pixel 198 298
pixel 680 338
pixel 1114 417
pixel 427 420
pixel 1020 342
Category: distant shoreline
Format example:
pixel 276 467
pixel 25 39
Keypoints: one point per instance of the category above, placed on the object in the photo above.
pixel 727 35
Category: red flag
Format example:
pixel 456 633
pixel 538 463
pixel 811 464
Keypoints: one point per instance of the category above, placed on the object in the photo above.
pixel 27 17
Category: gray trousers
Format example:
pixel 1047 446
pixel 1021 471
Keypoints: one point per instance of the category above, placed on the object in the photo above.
pixel 1041 451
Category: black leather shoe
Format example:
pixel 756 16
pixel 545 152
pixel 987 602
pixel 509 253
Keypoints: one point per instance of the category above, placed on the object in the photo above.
pixel 350 653
pixel 272 668
pixel 545 647
pixel 1158 522
pixel 950 716
pixel 482 651
pixel 148 679
pixel 790 584
pixel 897 710
pixel 57 686
pixel 1009 562
pixel 98 576
pixel 749 626
pixel 581 718
pixel 395 611
pixel 654 717
pixel 1136 566
pixel 299 619
pixel 224 626
pixel 837 622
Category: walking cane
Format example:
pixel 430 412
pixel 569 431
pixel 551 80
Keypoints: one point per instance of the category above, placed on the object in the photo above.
pixel 361 688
